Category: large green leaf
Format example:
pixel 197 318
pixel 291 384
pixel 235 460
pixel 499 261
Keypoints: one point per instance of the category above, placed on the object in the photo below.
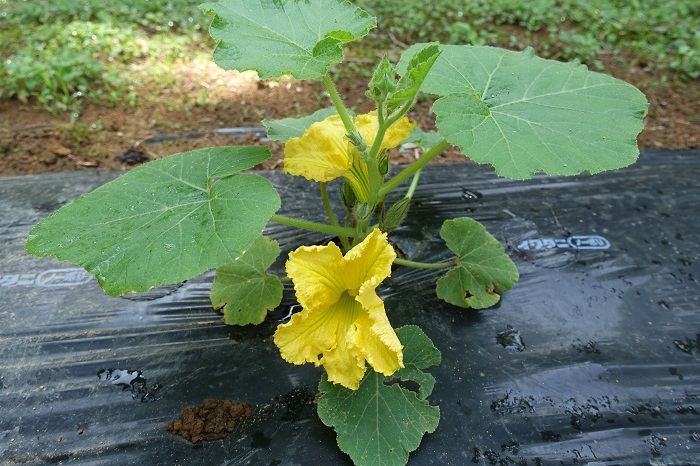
pixel 275 37
pixel 243 288
pixel 381 422
pixel 524 114
pixel 163 222
pixel 483 269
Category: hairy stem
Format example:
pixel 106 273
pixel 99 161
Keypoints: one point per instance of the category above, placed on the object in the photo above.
pixel 414 183
pixel 313 226
pixel 426 265
pixel 338 102
pixel 331 215
pixel 412 168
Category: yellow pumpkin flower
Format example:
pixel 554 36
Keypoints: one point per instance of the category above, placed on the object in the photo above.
pixel 343 322
pixel 323 153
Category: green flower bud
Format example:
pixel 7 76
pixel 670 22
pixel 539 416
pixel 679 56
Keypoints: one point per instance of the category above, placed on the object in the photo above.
pixel 396 214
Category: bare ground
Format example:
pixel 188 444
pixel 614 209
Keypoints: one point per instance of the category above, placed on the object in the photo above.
pixel 204 100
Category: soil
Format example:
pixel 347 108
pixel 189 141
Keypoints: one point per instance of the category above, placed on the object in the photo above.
pixel 186 117
pixel 212 421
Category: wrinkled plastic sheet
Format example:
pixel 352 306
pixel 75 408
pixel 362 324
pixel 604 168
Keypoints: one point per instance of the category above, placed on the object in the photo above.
pixel 592 358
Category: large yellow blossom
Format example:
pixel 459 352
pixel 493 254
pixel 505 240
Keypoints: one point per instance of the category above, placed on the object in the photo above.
pixel 343 322
pixel 323 153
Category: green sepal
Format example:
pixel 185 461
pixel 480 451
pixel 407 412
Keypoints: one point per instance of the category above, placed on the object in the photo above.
pixel 163 222
pixel 347 196
pixel 383 164
pixel 483 271
pixel 243 289
pixel 381 422
pixel 362 211
pixel 300 38
pixel 394 217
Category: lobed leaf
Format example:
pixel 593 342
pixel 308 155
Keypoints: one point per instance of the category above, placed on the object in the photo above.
pixel 484 269
pixel 163 222
pixel 381 422
pixel 243 288
pixel 523 114
pixel 275 37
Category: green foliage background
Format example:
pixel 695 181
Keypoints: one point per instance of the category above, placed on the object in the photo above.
pixel 65 51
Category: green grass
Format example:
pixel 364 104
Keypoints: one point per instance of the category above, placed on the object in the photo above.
pixel 62 52
pixel 663 33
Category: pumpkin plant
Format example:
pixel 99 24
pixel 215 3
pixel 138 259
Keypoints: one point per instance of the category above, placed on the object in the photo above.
pixel 174 218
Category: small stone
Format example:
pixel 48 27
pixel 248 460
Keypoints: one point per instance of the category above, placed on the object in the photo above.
pixel 47 158
pixel 60 150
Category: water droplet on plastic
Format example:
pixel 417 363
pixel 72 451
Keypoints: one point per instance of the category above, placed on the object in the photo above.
pixel 511 339
pixel 470 194
pixel 133 381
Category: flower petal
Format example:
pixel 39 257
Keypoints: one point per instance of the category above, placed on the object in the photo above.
pixel 321 154
pixel 374 337
pixel 306 336
pixel 371 259
pixel 343 323
pixel 312 333
pixel 397 132
pixel 368 125
pixel 345 364
pixel 315 272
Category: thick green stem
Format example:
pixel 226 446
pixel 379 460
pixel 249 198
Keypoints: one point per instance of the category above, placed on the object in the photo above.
pixel 313 226
pixel 426 265
pixel 331 215
pixel 338 102
pixel 414 183
pixel 412 168
pixel 402 111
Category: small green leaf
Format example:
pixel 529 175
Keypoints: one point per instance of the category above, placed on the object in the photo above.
pixel 382 422
pixel 163 222
pixel 286 128
pixel 416 71
pixel 383 81
pixel 484 269
pixel 524 114
pixel 275 37
pixel 425 139
pixel 243 289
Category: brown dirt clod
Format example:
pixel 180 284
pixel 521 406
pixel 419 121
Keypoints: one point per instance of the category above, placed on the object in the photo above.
pixel 212 421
